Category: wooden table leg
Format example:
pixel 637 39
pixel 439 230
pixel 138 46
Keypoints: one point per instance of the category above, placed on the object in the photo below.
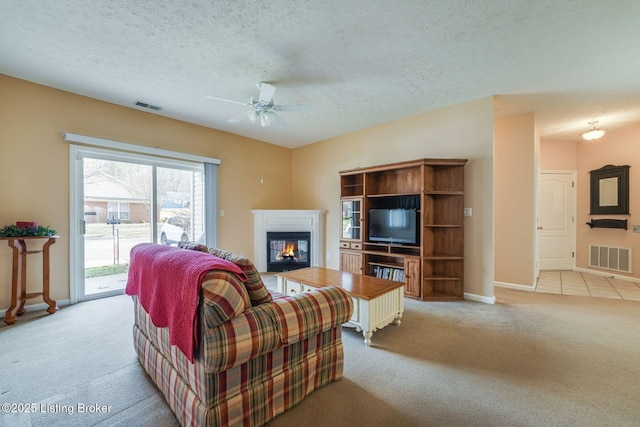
pixel 17 275
pixel 45 277
pixel 23 277
pixel 19 293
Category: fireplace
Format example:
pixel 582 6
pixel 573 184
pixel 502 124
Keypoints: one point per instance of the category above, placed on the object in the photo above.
pixel 288 250
pixel 281 220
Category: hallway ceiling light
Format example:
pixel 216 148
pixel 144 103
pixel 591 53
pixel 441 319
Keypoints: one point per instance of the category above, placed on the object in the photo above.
pixel 594 133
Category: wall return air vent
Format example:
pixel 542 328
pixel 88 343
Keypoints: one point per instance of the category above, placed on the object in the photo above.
pixel 149 106
pixel 611 258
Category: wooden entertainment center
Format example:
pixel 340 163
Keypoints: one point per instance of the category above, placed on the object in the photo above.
pixel 432 264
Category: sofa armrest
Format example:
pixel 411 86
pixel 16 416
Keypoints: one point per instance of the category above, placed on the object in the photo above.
pixel 310 313
pixel 223 297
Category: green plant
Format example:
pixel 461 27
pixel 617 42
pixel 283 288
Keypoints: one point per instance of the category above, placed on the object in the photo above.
pixel 105 270
pixel 15 231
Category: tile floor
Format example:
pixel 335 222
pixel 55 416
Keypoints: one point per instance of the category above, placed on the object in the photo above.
pixel 587 284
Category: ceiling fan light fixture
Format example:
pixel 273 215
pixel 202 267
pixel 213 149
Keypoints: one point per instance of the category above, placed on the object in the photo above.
pixel 263 108
pixel 594 133
pixel 266 118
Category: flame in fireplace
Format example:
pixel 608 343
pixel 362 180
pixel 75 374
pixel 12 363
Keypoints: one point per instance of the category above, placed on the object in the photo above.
pixel 289 252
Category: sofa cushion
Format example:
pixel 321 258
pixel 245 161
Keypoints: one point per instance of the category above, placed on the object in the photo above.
pixel 193 246
pixel 241 339
pixel 258 292
pixel 224 297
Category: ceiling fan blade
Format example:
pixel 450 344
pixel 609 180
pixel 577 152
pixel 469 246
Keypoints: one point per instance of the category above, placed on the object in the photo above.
pixel 300 108
pixel 277 120
pixel 239 117
pixel 266 92
pixel 227 100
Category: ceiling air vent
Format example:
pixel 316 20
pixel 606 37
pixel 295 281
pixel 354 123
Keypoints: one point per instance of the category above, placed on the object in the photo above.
pixel 149 106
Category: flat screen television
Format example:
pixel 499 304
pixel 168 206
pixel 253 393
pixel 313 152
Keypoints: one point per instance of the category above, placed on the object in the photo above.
pixel 393 226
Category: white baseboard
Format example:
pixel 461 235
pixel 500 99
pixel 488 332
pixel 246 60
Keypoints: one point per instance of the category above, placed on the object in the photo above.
pixel 607 274
pixel 514 286
pixel 480 298
pixel 37 307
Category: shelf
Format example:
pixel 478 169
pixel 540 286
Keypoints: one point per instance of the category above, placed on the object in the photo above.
pixel 391 245
pixel 352 185
pixel 444 193
pixel 351 192
pixel 441 296
pixel 376 196
pixel 404 180
pixel 385 258
pixel 434 267
pixel 381 264
pixel 387 272
pixel 608 223
pixel 391 250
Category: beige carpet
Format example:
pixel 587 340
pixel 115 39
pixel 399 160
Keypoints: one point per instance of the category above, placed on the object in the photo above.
pixel 529 360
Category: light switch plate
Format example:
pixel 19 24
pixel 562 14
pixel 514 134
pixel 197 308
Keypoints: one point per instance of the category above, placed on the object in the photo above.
pixel 467 211
pixel 636 228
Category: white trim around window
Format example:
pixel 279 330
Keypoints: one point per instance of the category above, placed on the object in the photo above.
pixel 140 149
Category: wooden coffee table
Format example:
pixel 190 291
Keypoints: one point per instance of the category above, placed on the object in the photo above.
pixel 376 302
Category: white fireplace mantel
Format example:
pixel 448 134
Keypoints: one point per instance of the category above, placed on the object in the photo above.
pixel 287 220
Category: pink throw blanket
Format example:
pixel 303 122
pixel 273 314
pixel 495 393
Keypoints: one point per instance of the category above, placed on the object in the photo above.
pixel 167 282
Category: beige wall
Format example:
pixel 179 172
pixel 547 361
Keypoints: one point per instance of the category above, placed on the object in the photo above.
pixel 559 156
pixel 516 158
pixel 35 167
pixel 32 117
pixel 621 147
pixel 461 131
pixel 615 148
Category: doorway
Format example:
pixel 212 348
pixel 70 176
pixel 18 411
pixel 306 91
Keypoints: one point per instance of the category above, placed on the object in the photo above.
pixel 556 220
pixel 121 200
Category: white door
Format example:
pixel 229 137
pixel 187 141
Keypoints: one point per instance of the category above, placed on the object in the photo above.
pixel 556 221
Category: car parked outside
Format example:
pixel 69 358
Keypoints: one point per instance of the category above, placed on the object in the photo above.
pixel 174 230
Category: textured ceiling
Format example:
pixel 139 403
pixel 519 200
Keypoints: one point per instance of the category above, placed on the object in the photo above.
pixel 359 63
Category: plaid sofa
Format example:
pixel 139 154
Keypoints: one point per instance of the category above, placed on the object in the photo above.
pixel 260 352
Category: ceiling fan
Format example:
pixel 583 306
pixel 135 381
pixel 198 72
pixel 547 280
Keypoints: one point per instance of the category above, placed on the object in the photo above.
pixel 263 108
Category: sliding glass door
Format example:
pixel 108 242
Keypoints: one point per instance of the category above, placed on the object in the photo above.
pixel 117 216
pixel 121 200
pixel 180 206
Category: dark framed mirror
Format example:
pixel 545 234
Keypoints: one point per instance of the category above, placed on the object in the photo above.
pixel 610 190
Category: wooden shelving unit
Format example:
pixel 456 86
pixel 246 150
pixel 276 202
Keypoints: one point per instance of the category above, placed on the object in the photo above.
pixel 432 269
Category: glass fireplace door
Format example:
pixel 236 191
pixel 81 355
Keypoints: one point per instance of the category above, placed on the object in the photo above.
pixel 288 250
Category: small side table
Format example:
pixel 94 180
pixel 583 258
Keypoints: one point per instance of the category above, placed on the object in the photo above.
pixel 19 277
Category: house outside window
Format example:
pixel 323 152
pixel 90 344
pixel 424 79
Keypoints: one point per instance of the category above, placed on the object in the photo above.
pixel 118 210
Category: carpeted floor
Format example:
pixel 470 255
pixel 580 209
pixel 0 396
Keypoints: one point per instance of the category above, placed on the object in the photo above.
pixel 529 360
